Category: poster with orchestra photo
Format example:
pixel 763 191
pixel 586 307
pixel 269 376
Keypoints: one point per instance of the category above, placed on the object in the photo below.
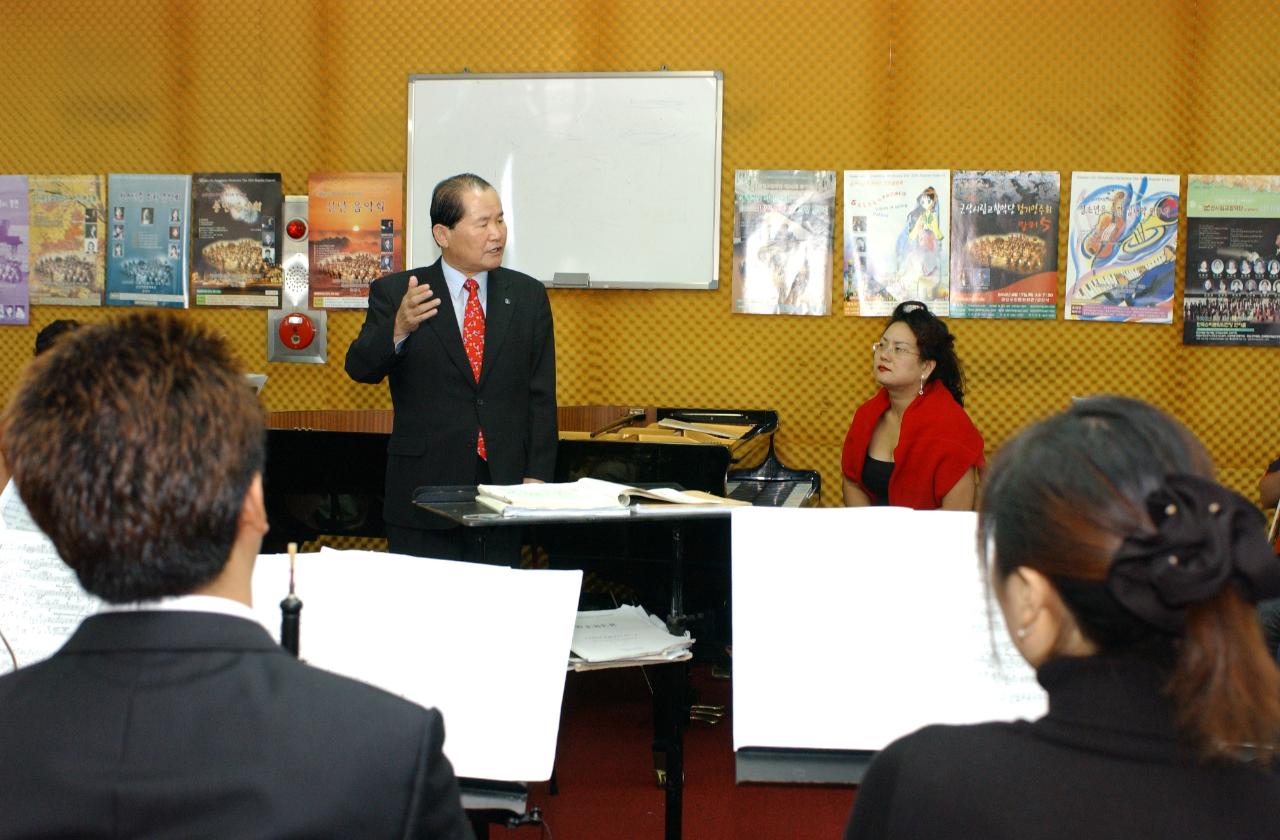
pixel 15 302
pixel 1004 244
pixel 68 229
pixel 1232 289
pixel 1122 247
pixel 357 235
pixel 146 266
pixel 235 249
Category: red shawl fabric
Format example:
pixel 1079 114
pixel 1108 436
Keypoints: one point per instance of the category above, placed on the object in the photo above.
pixel 937 444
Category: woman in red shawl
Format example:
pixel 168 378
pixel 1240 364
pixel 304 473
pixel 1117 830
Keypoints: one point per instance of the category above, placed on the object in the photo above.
pixel 912 445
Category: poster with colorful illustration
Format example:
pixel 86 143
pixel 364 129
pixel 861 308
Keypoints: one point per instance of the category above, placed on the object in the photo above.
pixel 146 263
pixel 783 229
pixel 1123 247
pixel 68 229
pixel 357 235
pixel 1004 244
pixel 235 246
pixel 15 301
pixel 1232 290
pixel 896 239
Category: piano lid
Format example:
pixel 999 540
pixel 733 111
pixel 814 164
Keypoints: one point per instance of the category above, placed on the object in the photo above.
pixel 691 447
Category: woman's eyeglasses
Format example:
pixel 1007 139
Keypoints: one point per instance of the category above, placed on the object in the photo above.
pixel 898 349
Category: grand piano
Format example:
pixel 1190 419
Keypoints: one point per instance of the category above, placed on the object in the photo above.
pixel 325 469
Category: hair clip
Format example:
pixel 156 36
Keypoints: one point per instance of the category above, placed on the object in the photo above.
pixel 1205 537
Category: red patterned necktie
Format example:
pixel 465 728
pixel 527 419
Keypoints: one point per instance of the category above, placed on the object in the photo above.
pixel 473 340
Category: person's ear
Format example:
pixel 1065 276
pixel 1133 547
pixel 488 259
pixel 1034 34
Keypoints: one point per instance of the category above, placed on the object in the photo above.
pixel 441 235
pixel 927 367
pixel 1033 613
pixel 1025 591
pixel 253 510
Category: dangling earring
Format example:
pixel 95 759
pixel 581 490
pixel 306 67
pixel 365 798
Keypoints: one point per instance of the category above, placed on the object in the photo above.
pixel 921 391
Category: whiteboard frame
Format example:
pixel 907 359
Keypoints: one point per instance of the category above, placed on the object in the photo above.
pixel 414 201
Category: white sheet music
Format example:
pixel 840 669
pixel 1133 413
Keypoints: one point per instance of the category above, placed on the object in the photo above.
pixel 853 626
pixel 487 645
pixel 13 513
pixel 41 601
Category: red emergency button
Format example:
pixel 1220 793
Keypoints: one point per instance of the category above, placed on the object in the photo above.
pixel 297 331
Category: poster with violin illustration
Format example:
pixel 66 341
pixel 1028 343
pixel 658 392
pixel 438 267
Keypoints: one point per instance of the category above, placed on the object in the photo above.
pixel 1004 244
pixel 1232 291
pixel 1123 247
pixel 897 237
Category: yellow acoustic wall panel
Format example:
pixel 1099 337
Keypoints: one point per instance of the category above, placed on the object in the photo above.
pixel 1180 86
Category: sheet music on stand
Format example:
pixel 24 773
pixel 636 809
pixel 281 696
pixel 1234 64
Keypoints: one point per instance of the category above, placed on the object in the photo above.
pixel 486 645
pixel 41 602
pixel 459 636
pixel 623 637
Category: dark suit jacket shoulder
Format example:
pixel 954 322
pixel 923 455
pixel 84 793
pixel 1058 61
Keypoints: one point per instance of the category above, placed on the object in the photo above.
pixel 177 724
pixel 439 405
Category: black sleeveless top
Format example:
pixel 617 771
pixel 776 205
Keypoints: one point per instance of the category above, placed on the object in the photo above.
pixel 875 477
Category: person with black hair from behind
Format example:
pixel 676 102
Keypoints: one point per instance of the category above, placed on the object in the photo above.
pixel 138 450
pixel 44 340
pixel 1125 575
pixel 52 332
pixel 912 445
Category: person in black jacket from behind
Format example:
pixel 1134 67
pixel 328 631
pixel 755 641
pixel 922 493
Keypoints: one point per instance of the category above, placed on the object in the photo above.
pixel 1126 577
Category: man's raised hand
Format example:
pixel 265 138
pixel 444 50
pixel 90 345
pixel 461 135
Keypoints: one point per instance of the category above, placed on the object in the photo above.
pixel 417 305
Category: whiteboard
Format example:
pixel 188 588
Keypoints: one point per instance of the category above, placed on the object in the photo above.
pixel 608 180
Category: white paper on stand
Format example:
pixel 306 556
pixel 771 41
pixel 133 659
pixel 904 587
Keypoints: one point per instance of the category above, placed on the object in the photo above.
pixel 854 626
pixel 14 515
pixel 626 633
pixel 486 645
pixel 41 602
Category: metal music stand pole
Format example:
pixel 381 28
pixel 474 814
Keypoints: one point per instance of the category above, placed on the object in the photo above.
pixel 291 610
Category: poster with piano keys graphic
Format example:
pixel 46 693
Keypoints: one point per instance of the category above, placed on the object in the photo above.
pixel 1122 247
pixel 1232 291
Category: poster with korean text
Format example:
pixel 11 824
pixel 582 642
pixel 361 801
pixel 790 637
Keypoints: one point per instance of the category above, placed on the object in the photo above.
pixel 356 224
pixel 1004 244
pixel 896 239
pixel 146 262
pixel 15 302
pixel 783 229
pixel 235 246
pixel 1122 247
pixel 68 235
pixel 1232 285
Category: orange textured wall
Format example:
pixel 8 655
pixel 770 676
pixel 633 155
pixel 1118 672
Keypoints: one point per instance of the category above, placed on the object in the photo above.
pixel 319 85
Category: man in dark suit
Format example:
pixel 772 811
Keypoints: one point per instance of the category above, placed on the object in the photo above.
pixel 472 369
pixel 138 448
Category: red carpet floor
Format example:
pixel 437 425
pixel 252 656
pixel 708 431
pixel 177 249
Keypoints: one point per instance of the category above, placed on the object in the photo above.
pixel 607 791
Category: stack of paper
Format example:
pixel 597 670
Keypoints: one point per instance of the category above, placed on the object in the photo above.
pixel 586 495
pixel 625 636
